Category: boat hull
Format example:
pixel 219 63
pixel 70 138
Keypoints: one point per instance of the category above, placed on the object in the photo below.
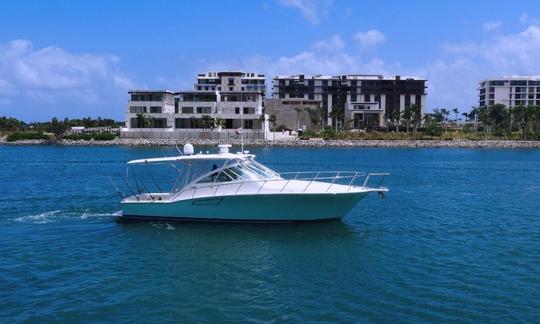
pixel 262 208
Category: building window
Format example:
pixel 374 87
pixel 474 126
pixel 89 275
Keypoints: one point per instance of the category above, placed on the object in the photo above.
pixel 146 97
pixel 491 89
pixel 237 110
pixel 353 97
pixel 187 110
pixel 137 109
pixel 182 123
pixel 491 96
pixel 204 110
pixel 496 83
pixel 367 98
pixel 155 110
pixel 518 83
pixel 248 124
pixel 249 110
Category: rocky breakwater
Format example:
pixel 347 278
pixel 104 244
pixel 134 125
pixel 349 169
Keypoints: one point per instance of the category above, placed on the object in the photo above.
pixel 500 144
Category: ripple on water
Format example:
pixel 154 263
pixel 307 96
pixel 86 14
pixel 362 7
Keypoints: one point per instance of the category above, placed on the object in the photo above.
pixel 456 239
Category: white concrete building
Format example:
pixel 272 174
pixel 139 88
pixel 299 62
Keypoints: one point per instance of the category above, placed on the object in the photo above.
pixel 150 109
pixel 220 104
pixel 510 91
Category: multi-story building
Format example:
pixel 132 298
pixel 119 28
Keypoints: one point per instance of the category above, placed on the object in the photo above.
pixel 220 102
pixel 510 91
pixel 150 109
pixel 365 100
pixel 235 98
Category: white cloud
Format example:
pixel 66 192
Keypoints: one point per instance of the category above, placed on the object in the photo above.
pixel 453 74
pixel 491 26
pixel 333 44
pixel 313 10
pixel 56 77
pixel 321 59
pixel 525 19
pixel 370 38
pixel 453 78
pixel 511 53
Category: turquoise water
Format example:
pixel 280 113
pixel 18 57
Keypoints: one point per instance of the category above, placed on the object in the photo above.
pixel 456 239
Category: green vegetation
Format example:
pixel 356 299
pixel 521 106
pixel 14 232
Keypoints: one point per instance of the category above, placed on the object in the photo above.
pixel 18 136
pixel 10 125
pixel 19 130
pixel 496 122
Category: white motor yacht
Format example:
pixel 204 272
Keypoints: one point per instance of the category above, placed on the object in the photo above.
pixel 229 186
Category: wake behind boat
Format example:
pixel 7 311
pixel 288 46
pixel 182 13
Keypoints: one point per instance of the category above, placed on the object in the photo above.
pixel 234 187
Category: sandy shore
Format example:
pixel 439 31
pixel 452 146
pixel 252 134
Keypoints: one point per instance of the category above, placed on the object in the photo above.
pixel 294 143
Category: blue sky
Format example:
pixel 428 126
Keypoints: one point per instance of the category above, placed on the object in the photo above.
pixel 79 58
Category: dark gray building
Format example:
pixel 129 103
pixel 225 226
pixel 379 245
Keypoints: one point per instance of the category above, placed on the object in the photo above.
pixel 365 100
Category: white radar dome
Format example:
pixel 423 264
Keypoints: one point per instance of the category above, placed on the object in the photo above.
pixel 188 149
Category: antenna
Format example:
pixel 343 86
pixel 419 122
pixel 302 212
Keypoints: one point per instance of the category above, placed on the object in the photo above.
pixel 241 133
pixel 178 149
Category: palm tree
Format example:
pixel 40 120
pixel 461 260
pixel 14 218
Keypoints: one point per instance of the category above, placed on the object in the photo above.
pixel 273 122
pixel 336 114
pixel 395 117
pixel 219 122
pixel 445 113
pixel 484 118
pixel 315 116
pixel 417 116
pixel 262 119
pixel 140 120
pixel 206 121
pixel 456 113
pixel 407 115
pixel 150 122
pixel 195 122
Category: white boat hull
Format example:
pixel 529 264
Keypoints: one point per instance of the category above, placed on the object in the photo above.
pixel 249 207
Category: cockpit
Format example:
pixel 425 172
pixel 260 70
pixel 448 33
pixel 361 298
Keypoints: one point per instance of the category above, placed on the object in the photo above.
pixel 235 170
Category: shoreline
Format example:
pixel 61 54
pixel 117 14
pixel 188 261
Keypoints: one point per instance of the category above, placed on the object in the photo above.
pixel 504 144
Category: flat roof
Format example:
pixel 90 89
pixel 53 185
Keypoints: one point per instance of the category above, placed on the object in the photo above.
pixel 200 156
pixel 150 91
pixel 348 77
pixel 514 77
pixel 214 92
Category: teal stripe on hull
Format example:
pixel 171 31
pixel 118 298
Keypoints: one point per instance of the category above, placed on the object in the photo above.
pixel 276 207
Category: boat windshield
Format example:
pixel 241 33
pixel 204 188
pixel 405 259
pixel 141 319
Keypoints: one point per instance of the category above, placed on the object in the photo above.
pixel 240 171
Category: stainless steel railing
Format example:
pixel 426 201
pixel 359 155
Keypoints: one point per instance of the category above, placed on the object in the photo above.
pixel 330 177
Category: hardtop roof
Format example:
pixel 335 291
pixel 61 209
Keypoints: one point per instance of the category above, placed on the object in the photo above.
pixel 200 156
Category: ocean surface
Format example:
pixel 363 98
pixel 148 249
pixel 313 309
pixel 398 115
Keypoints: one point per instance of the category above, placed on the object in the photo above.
pixel 456 239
